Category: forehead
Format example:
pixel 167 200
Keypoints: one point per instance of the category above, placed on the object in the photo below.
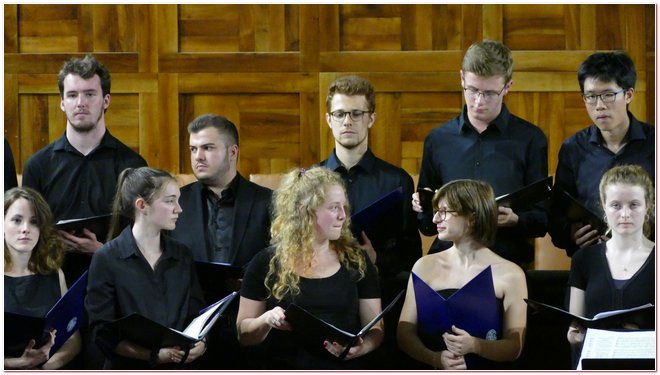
pixel 75 82
pixel 206 136
pixel 595 85
pixel 169 188
pixel 22 206
pixel 346 102
pixel 624 191
pixel 334 193
pixel 495 82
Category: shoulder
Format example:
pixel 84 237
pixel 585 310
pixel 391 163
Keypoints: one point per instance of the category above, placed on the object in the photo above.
pixel 40 157
pixel 392 169
pixel 191 188
pixel 509 272
pixel 589 252
pixel 581 136
pixel 519 125
pixel 126 154
pixel 260 191
pixel 426 266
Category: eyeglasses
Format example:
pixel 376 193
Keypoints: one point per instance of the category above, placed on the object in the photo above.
pixel 356 115
pixel 487 95
pixel 442 214
pixel 606 97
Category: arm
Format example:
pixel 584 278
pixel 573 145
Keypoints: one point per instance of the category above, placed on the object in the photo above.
pixel 369 308
pixel 428 178
pixel 253 322
pixel 31 357
pixel 576 306
pixel 508 348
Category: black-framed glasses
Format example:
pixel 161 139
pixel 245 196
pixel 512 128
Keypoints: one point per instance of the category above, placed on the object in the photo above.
pixel 606 97
pixel 356 115
pixel 473 93
pixel 442 214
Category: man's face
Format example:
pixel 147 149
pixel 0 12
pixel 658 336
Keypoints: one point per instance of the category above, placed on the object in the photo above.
pixel 484 95
pixel 83 102
pixel 210 155
pixel 607 116
pixel 349 132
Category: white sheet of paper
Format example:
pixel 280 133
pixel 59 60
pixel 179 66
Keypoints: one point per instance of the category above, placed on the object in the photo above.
pixel 600 343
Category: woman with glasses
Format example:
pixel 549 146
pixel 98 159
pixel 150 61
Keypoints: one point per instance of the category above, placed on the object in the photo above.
pixel 616 137
pixel 619 273
pixel 466 214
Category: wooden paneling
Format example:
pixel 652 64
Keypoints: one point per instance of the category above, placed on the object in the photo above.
pixel 267 68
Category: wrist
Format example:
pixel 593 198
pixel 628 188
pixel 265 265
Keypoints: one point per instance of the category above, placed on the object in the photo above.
pixel 153 358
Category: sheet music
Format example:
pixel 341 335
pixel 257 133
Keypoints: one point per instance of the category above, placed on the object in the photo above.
pixel 604 344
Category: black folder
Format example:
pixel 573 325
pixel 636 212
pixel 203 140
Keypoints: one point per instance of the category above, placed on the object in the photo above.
pixel 527 196
pixel 426 200
pixel 152 335
pixel 643 316
pixel 65 317
pixel 369 218
pixel 576 212
pixel 213 277
pixel 314 331
pixel 100 225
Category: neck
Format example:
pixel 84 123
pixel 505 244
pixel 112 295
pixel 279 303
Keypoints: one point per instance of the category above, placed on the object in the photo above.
pixel 87 141
pixel 467 250
pixel 146 236
pixel 482 125
pixel 19 264
pixel 616 138
pixel 349 157
pixel 222 183
pixel 629 243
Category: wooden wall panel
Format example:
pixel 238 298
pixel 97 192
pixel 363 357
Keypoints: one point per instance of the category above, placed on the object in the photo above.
pixel 267 68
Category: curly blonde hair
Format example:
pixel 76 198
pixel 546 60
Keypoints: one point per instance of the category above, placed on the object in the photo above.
pixel 48 254
pixel 300 194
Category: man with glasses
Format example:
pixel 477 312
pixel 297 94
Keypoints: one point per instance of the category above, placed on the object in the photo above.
pixel 486 142
pixel 607 81
pixel 351 105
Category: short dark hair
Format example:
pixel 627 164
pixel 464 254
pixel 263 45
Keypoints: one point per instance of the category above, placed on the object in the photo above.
pixel 352 86
pixel 476 201
pixel 614 66
pixel 86 68
pixel 220 123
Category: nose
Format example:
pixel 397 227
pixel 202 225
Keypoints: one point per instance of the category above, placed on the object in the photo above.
pixel 197 155
pixel 342 214
pixel 436 217
pixel 25 227
pixel 347 121
pixel 625 211
pixel 177 208
pixel 600 103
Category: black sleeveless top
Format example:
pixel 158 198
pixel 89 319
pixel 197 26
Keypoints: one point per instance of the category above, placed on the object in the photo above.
pixel 32 295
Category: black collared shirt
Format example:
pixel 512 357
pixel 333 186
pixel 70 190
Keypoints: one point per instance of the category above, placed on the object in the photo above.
pixel 77 185
pixel 584 158
pixel 220 222
pixel 368 181
pixel 510 154
pixel 122 282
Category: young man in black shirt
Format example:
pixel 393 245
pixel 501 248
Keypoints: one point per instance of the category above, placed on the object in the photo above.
pixel 486 142
pixel 351 106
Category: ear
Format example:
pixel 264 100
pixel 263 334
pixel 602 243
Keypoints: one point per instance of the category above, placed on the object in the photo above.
pixel 507 87
pixel 106 101
pixel 629 95
pixel 328 120
pixel 62 104
pixel 462 76
pixel 140 205
pixel 372 119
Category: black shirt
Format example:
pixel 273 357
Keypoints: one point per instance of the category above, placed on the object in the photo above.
pixel 510 154
pixel 220 223
pixel 77 185
pixel 583 159
pixel 370 179
pixel 121 282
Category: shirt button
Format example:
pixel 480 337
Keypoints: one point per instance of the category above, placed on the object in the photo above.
pixel 478 163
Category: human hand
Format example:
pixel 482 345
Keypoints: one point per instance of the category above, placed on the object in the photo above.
pixel 32 358
pixel 506 217
pixel 460 342
pixel 583 235
pixel 275 318
pixel 451 361
pixel 575 334
pixel 368 247
pixel 170 355
pixel 196 351
pixel 337 349
pixel 416 204
pixel 84 242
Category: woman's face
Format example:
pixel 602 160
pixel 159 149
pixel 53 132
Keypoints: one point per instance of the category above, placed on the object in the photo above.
pixel 625 208
pixel 164 210
pixel 331 216
pixel 451 226
pixel 21 227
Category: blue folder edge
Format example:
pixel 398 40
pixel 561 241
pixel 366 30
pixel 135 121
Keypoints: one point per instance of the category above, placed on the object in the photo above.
pixel 68 313
pixel 366 217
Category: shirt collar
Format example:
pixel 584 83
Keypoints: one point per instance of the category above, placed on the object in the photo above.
pixel 107 141
pixel 230 192
pixel 128 247
pixel 500 123
pixel 366 162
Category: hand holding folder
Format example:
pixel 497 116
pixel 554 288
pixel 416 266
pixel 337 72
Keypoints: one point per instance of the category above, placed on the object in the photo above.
pixel 369 218
pixel 152 335
pixel 527 196
pixel 314 331
pixel 64 317
pixel 576 212
pixel 100 225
